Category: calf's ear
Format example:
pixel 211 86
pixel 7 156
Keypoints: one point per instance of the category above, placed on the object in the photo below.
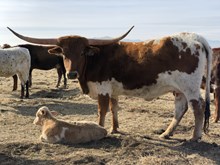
pixel 56 50
pixel 54 113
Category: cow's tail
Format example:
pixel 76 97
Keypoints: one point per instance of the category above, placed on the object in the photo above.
pixel 208 51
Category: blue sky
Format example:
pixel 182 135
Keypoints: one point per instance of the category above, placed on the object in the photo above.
pixel 100 18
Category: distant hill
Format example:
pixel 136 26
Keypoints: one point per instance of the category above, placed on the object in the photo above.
pixel 214 43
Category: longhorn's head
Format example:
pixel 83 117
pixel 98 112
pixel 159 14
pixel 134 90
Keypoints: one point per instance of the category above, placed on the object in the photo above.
pixel 73 49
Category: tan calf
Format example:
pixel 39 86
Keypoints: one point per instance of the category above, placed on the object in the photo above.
pixel 57 131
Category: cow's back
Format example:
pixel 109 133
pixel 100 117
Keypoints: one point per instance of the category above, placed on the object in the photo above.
pixel 40 58
pixel 149 69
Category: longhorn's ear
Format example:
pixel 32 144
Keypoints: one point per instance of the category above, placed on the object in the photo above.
pixel 56 50
pixel 90 51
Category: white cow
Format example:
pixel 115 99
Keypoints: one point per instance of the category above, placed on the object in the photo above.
pixel 16 61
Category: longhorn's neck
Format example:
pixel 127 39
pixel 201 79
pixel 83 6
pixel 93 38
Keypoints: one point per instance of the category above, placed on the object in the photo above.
pixel 83 78
pixel 83 85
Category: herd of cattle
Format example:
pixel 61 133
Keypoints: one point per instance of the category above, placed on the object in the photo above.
pixel 106 68
pixel 39 58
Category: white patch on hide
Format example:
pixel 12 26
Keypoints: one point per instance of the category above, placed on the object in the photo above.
pixel 190 39
pixel 44 136
pixel 62 134
pixel 57 138
pixel 96 88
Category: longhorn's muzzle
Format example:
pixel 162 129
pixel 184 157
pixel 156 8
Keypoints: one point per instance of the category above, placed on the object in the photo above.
pixel 73 75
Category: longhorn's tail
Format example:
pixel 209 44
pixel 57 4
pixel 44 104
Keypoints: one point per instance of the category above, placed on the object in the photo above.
pixel 208 51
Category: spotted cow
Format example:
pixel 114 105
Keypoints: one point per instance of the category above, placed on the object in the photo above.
pixel 16 61
pixel 41 59
pixel 109 68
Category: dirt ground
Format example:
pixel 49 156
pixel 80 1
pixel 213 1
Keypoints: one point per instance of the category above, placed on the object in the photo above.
pixel 140 120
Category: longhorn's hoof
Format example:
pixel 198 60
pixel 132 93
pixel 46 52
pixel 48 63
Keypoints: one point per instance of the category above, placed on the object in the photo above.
pixel 195 139
pixel 114 131
pixel 118 132
pixel 164 136
pixel 215 119
pixel 14 89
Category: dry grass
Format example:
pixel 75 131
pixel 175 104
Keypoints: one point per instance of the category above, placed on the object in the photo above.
pixel 141 121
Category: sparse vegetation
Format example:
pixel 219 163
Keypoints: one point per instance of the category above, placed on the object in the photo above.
pixel 141 122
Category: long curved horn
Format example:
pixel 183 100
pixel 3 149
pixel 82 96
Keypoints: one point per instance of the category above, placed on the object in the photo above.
pixel 108 41
pixel 45 41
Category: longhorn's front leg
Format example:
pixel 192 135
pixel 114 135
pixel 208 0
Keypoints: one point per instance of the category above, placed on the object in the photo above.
pixel 103 105
pixel 181 107
pixel 114 109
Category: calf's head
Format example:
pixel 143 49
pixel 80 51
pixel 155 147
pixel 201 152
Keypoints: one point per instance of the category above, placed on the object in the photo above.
pixel 74 49
pixel 42 114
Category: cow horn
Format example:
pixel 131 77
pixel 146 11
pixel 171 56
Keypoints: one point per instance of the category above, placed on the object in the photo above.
pixel 108 41
pixel 35 40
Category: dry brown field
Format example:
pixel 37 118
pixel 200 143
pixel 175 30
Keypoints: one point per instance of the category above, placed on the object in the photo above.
pixel 140 121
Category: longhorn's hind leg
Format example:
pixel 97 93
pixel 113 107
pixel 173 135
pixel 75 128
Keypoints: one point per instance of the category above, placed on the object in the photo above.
pixel 181 107
pixel 198 107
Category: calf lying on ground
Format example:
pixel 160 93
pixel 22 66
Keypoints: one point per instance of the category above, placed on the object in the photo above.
pixel 57 131
pixel 16 61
